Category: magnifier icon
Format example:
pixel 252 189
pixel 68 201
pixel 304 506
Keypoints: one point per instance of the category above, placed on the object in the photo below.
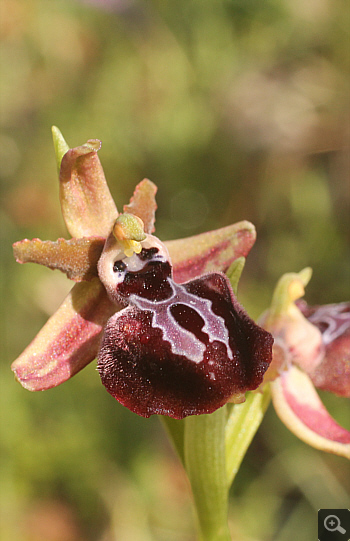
pixel 332 524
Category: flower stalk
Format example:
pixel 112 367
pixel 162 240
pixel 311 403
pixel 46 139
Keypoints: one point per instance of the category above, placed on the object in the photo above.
pixel 212 447
pixel 205 462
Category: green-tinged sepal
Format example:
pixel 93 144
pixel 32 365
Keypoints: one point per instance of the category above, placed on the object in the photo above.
pixel 296 339
pixel 234 273
pixel 290 287
pixel 60 146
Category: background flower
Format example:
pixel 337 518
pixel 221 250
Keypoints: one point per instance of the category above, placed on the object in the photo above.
pixel 307 350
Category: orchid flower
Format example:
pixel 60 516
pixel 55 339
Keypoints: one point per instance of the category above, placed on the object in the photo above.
pixel 164 346
pixel 311 348
pixel 171 338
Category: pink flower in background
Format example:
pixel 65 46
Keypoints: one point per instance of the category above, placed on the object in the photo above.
pixel 312 348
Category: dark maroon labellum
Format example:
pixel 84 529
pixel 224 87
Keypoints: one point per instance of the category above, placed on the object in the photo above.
pixel 178 349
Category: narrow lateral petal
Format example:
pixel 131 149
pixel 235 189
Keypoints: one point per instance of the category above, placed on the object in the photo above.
pixel 143 204
pixel 77 258
pixel 300 408
pixel 68 341
pixel 87 206
pixel 211 251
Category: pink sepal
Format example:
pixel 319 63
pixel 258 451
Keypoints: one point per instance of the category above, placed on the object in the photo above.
pixel 68 341
pixel 87 206
pixel 301 410
pixel 211 251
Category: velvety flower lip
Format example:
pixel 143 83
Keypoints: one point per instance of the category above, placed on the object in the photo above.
pixel 176 349
pixel 308 351
pixel 71 337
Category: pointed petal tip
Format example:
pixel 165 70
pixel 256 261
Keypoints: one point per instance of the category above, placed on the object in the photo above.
pixel 60 145
pixel 94 144
pixel 299 407
pixel 27 384
pixel 305 275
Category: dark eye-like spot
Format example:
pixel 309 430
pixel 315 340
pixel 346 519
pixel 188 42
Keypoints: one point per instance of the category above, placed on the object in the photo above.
pixel 189 319
pixel 119 266
pixel 150 282
pixel 147 253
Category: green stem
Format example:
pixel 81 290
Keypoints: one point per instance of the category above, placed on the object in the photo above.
pixel 205 464
pixel 212 447
pixel 175 429
pixel 243 422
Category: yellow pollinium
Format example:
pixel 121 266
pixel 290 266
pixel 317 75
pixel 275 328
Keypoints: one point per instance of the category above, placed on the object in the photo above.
pixel 129 232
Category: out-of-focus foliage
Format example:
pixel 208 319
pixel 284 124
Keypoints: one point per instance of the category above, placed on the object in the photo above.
pixel 236 109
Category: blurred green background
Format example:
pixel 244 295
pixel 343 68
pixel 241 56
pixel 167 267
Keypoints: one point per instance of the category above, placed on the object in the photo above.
pixel 236 109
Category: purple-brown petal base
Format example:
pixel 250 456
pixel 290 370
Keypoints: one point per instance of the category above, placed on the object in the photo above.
pixel 141 370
